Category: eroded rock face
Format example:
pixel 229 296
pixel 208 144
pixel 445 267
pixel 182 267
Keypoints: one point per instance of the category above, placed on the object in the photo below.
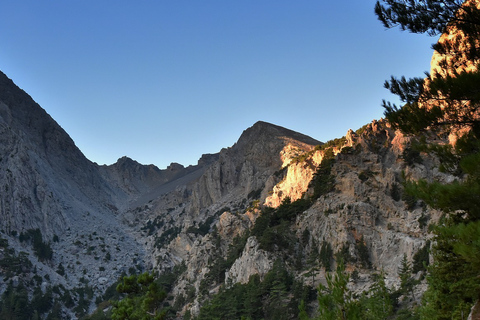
pixel 47 180
pixel 111 218
pixel 245 168
pixel 296 181
pixel 49 185
pixel 252 261
pixel 454 62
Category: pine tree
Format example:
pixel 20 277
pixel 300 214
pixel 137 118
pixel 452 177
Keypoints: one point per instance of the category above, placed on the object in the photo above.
pixel 142 301
pixel 406 280
pixel 326 255
pixel 448 98
pixel 376 302
pixel 336 301
pixel 445 102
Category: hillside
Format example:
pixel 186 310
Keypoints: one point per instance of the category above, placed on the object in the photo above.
pixel 275 201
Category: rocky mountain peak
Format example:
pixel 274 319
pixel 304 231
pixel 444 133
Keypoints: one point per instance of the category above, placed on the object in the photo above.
pixel 262 131
pixel 46 174
pixel 129 214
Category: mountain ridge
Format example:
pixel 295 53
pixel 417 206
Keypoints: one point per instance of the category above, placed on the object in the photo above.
pixel 104 221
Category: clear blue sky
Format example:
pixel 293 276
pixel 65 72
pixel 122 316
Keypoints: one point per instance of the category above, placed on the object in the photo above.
pixel 166 81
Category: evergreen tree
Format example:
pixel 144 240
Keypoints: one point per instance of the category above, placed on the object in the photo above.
pixel 142 301
pixel 406 280
pixel 336 301
pixel 326 255
pixel 15 304
pixel 376 302
pixel 448 98
pixel 444 102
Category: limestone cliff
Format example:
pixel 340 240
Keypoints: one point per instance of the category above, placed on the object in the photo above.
pixel 366 209
pixel 102 221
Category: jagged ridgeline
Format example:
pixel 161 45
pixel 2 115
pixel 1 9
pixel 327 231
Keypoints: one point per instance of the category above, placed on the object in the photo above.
pixel 250 232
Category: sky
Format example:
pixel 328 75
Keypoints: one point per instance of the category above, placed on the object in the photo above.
pixel 167 81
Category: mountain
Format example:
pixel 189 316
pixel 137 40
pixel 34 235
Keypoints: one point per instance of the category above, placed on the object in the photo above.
pixel 275 205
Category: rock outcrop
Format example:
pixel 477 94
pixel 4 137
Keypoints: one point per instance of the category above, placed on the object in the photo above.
pixel 252 261
pixel 102 221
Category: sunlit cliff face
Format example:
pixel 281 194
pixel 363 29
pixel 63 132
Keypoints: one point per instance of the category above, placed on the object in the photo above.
pixel 443 64
pixel 453 63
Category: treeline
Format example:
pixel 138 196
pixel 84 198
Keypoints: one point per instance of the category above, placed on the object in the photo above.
pixel 276 297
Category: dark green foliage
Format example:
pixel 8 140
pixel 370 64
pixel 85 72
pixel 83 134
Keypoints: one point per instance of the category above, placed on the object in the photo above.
pixel 453 277
pixel 406 314
pixel 446 93
pixel 99 315
pixel 449 161
pixel 406 278
pixel 167 236
pixel 364 175
pixel 361 130
pixel 337 142
pixel 273 227
pixel 410 200
pixel 167 279
pixel 67 299
pixel 281 173
pixel 305 236
pixel 42 249
pixel 42 302
pixel 255 194
pixel 429 17
pixel 395 192
pixel 421 258
pixel 61 269
pixel 3 243
pixel 363 253
pixel 143 298
pixel 217 269
pixel 335 300
pixel 203 228
pixel 344 254
pixel 15 304
pixel 376 303
pixel 326 255
pixel 314 255
pixel 422 220
pixel 236 248
pixel 304 157
pixel 456 195
pixel 323 181
pixel 276 297
pixel 13 264
pixel 85 296
pixel 55 313
pixel 412 156
pixel 151 226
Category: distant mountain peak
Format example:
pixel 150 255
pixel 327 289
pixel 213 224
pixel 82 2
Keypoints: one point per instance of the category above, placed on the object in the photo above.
pixel 265 130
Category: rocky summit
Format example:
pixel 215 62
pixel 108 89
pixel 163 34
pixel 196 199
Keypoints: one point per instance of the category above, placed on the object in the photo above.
pixel 277 211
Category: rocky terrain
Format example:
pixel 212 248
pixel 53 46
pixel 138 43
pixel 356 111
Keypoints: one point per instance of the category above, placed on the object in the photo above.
pixel 75 226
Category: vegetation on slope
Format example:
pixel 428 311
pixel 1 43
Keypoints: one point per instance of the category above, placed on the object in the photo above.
pixel 444 103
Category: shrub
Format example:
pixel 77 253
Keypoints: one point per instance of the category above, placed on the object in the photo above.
pixel 395 192
pixel 412 156
pixel 323 181
pixel 421 258
pixel 326 254
pixel 41 249
pixel 363 253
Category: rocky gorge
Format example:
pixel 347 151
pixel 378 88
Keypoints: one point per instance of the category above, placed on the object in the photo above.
pixel 70 228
